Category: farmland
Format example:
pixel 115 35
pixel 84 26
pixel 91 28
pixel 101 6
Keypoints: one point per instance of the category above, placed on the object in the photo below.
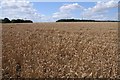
pixel 60 50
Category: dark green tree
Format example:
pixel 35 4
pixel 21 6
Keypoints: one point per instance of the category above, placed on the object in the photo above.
pixel 6 20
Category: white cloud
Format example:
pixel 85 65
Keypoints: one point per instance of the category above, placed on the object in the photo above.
pixel 70 7
pixel 24 9
pixel 100 9
pixel 19 9
pixel 59 15
pixel 101 6
pixel 65 11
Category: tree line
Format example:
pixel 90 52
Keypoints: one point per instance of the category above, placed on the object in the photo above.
pixel 6 20
pixel 78 20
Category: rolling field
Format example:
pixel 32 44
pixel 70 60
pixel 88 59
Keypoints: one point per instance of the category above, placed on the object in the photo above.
pixel 60 50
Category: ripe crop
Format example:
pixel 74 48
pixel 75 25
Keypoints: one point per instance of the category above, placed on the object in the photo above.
pixel 60 50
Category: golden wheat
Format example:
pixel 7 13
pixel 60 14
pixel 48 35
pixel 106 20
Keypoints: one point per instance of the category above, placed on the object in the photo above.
pixel 62 50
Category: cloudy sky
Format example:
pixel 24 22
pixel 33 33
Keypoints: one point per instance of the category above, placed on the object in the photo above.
pixel 52 11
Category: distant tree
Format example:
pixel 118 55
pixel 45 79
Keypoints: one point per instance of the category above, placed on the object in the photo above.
pixel 6 20
pixel 28 21
pixel 13 21
pixel 1 20
pixel 74 20
pixel 21 21
pixel 78 20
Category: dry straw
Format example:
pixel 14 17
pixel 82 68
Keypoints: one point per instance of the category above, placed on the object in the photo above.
pixel 62 50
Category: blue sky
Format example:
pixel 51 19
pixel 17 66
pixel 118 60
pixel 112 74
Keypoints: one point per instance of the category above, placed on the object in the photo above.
pixel 52 11
pixel 51 7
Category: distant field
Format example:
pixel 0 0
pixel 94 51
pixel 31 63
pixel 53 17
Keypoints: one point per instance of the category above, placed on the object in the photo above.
pixel 60 50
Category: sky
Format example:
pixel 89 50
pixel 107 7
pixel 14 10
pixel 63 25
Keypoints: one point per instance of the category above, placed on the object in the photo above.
pixel 39 11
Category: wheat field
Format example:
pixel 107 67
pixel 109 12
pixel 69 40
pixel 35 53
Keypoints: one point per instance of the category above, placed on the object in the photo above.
pixel 60 50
